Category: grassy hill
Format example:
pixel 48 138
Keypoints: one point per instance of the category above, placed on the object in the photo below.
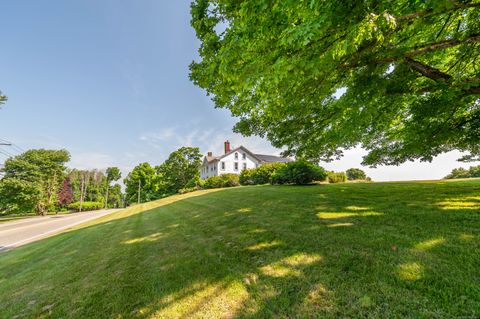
pixel 347 250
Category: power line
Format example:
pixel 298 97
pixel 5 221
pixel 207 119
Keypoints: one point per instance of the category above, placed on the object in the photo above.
pixel 7 154
pixel 14 147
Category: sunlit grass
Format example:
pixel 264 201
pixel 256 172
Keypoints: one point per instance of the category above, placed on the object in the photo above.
pixel 410 271
pixel 376 250
pixel 429 244
pixel 331 215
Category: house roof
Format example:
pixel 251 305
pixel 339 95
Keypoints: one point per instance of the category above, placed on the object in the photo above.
pixel 272 158
pixel 259 157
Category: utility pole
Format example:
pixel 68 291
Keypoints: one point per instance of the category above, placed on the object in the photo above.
pixel 139 184
pixel 82 186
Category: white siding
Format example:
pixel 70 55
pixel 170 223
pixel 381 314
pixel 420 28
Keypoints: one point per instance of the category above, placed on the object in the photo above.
pixel 247 162
pixel 209 169
pixel 215 168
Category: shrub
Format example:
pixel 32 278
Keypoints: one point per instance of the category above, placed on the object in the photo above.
pixel 224 180
pixel 260 175
pixel 187 190
pixel 229 180
pixel 86 206
pixel 212 182
pixel 354 174
pixel 339 177
pixel 298 172
pixel 246 176
pixel 473 171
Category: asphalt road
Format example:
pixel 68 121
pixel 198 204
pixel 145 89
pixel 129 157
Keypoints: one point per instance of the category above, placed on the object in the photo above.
pixel 17 233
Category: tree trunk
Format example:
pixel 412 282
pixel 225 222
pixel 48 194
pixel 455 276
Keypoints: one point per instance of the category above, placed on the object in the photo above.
pixel 106 198
pixel 82 186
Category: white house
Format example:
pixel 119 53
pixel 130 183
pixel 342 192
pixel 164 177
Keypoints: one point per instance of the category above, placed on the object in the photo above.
pixel 234 161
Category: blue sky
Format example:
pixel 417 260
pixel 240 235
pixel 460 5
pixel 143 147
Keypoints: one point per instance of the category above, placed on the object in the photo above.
pixel 108 81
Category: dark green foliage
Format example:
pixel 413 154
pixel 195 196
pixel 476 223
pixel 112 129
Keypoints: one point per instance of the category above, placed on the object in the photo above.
pixel 212 182
pixel 354 174
pixel 19 196
pixel 472 172
pixel 86 206
pixel 144 180
pixel 260 175
pixel 408 70
pixel 298 172
pixel 94 185
pixel 336 177
pixel 32 180
pixel 229 180
pixel 245 177
pixel 224 180
pixel 115 197
pixel 180 168
pixel 112 174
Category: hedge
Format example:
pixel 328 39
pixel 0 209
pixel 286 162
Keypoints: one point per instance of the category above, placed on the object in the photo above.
pixel 224 180
pixel 86 206
pixel 339 177
pixel 260 175
pixel 299 173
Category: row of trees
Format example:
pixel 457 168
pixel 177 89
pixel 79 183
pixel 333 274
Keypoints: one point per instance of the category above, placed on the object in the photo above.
pixel 180 170
pixel 38 181
pixel 472 172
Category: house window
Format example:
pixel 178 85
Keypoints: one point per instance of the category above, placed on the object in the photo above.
pixel 223 165
pixel 211 169
pixel 244 165
pixel 244 156
pixel 236 156
pixel 235 165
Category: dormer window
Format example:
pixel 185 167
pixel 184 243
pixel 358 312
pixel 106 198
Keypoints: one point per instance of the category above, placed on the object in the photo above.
pixel 236 155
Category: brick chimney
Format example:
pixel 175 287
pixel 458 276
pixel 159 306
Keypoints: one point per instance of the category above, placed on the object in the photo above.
pixel 209 154
pixel 227 147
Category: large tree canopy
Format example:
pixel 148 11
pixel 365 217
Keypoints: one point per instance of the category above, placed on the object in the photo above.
pixel 181 166
pixel 32 181
pixel 399 78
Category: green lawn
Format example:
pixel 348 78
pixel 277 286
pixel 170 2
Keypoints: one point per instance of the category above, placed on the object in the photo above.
pixel 328 251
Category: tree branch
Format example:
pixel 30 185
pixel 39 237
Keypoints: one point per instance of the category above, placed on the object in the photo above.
pixel 427 71
pixel 456 7
pixel 445 44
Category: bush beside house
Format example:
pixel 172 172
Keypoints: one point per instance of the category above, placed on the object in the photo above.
pixel 224 180
pixel 260 175
pixel 299 173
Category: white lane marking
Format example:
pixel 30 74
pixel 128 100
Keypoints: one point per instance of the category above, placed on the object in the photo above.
pixel 16 244
pixel 26 220
pixel 35 221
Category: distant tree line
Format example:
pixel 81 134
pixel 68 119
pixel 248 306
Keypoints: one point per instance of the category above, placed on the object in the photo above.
pixel 37 181
pixel 472 172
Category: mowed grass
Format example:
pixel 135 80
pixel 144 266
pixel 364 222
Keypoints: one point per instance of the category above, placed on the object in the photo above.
pixel 328 251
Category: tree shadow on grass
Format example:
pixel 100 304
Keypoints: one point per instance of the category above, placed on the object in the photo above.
pixel 324 251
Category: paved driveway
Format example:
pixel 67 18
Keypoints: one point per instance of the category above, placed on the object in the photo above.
pixel 24 231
